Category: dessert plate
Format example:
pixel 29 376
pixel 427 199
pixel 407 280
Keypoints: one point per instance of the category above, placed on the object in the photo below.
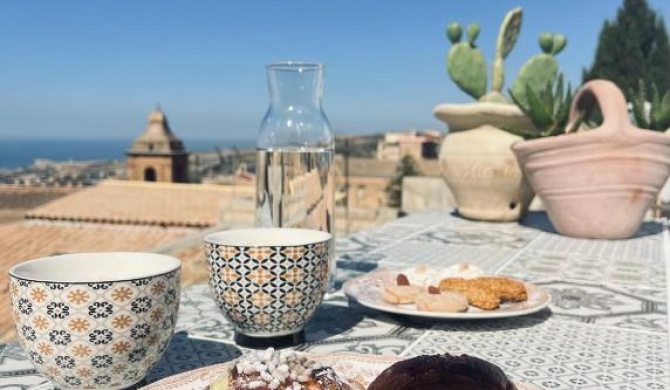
pixel 362 368
pixel 366 290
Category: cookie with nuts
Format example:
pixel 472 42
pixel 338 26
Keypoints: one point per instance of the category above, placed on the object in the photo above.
pixel 401 292
pixel 445 302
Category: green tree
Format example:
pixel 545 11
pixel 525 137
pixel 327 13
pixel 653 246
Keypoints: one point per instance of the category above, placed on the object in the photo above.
pixel 632 47
pixel 406 167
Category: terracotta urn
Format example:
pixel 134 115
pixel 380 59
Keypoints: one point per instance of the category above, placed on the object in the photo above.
pixel 598 183
pixel 477 163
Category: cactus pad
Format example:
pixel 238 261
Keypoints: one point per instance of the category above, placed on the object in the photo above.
pixel 454 32
pixel 467 68
pixel 507 37
pixel 509 32
pixel 547 42
pixel 537 72
pixel 559 43
pixel 473 33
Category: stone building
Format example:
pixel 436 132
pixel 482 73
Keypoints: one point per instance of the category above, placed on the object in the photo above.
pixel 157 154
pixel 419 145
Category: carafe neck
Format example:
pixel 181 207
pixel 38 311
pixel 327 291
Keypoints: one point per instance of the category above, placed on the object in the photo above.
pixel 295 84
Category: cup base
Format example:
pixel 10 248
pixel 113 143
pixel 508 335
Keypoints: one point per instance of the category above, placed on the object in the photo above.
pixel 289 340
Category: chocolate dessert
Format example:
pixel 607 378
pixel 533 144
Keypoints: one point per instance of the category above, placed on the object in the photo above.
pixel 442 372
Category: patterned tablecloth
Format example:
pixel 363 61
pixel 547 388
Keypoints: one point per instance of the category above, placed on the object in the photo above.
pixel 606 328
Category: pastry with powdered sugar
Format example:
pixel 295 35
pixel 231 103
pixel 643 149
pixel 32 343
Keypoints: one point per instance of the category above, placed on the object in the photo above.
pixel 280 370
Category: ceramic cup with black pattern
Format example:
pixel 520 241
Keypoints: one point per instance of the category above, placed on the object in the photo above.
pixel 268 282
pixel 95 320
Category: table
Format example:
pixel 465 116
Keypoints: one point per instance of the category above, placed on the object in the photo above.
pixel 607 326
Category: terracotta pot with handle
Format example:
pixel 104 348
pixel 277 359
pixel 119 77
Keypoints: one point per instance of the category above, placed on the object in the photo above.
pixel 598 183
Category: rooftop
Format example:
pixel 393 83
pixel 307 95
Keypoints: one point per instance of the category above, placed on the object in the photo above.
pixel 139 203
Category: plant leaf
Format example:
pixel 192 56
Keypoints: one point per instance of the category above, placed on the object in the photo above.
pixel 557 130
pixel 638 100
pixel 665 102
pixel 578 122
pixel 563 113
pixel 525 134
pixel 519 103
pixel 664 113
pixel 655 96
pixel 537 112
pixel 547 98
pixel 559 94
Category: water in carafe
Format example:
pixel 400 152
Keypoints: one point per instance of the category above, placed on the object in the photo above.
pixel 295 176
pixel 295 188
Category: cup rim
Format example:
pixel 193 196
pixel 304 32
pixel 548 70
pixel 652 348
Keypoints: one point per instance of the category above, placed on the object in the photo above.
pixel 245 237
pixel 171 264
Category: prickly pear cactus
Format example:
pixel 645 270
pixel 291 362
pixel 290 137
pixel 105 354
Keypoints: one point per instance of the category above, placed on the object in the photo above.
pixel 507 37
pixel 546 42
pixel 540 70
pixel 465 62
pixel 454 32
pixel 467 67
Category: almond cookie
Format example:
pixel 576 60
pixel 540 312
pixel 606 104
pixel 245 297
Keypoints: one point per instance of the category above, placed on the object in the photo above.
pixel 399 295
pixel 445 302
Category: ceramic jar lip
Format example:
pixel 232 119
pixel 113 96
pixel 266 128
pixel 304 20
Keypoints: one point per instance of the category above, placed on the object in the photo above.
pixel 95 267
pixel 268 237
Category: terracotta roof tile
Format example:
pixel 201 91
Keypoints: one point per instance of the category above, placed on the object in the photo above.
pixel 194 267
pixel 27 197
pixel 140 203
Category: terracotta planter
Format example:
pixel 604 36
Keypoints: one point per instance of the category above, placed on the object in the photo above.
pixel 598 183
pixel 477 163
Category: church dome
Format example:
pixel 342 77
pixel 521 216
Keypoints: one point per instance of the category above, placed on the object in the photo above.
pixel 157 138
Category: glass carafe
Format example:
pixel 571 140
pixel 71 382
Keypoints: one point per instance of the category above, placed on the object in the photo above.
pixel 295 163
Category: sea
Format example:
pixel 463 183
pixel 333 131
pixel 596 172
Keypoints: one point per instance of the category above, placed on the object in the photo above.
pixel 22 153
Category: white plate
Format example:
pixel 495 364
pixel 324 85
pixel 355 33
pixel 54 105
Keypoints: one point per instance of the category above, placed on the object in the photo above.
pixel 366 289
pixel 363 368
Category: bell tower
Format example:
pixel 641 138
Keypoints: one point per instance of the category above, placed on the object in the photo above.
pixel 157 154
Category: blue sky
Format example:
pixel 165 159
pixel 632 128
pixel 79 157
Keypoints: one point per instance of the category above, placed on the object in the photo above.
pixel 94 69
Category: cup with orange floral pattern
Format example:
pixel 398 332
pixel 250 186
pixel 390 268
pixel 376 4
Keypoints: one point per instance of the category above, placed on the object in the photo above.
pixel 268 282
pixel 95 320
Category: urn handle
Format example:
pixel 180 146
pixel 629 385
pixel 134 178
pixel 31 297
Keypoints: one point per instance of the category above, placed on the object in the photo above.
pixel 612 104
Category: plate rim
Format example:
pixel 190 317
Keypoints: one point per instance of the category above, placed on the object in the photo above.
pixel 347 287
pixel 189 377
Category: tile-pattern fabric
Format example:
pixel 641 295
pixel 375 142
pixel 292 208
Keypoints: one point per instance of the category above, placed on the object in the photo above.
pixel 606 328
pixel 557 354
